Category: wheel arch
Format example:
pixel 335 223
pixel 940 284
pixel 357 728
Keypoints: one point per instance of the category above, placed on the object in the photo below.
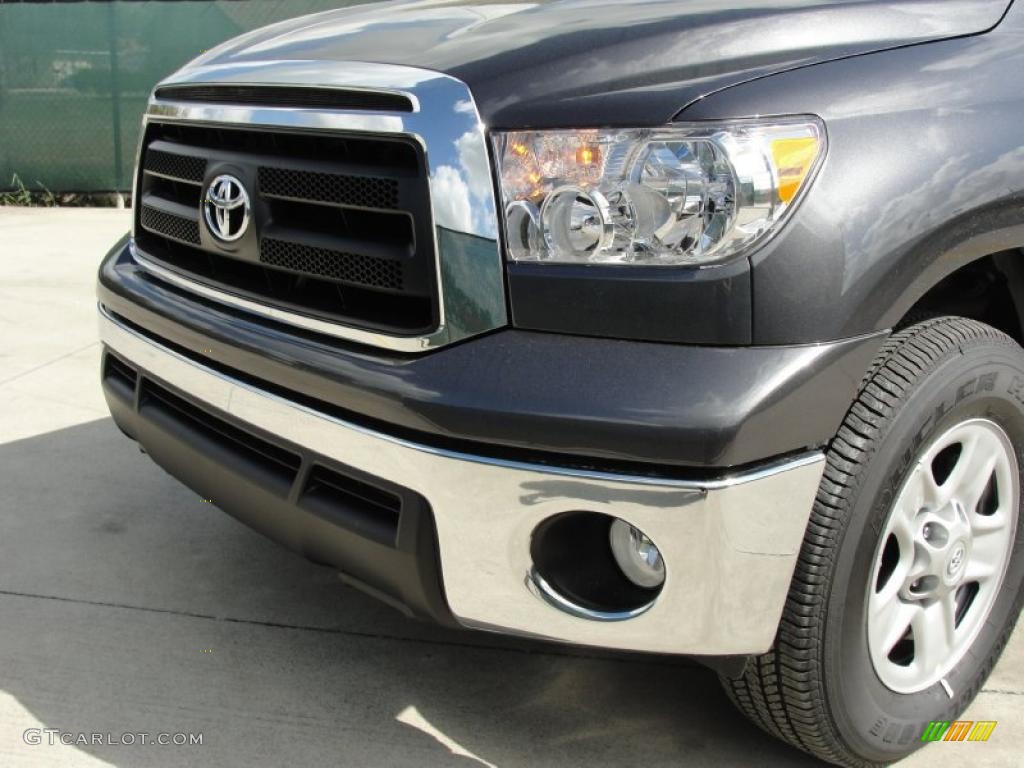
pixel 983 281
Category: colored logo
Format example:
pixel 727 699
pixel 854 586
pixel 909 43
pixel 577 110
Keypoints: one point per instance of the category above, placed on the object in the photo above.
pixel 226 208
pixel 959 730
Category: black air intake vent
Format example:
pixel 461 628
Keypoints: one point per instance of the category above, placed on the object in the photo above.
pixel 365 505
pixel 170 225
pixel 175 166
pixel 120 376
pixel 337 265
pixel 351 503
pixel 364 192
pixel 277 467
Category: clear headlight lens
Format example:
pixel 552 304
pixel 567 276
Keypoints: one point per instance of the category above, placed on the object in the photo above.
pixel 687 194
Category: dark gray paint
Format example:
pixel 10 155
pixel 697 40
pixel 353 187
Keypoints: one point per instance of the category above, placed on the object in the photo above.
pixel 615 400
pixel 606 62
pixel 922 109
pixel 692 306
pixel 924 173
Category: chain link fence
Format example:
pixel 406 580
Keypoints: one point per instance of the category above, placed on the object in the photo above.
pixel 75 76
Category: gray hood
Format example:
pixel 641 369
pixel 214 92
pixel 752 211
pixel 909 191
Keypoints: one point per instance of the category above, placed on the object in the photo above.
pixel 598 62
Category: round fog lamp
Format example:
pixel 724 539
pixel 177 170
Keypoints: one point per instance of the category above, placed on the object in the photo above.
pixel 636 555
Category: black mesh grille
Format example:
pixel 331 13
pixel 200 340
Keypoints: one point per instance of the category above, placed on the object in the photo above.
pixel 185 167
pixel 337 265
pixel 169 225
pixel 340 224
pixel 365 192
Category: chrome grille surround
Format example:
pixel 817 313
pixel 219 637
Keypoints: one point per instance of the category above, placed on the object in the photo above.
pixel 444 122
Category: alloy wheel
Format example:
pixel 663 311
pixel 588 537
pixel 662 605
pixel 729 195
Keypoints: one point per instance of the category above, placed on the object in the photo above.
pixel 942 556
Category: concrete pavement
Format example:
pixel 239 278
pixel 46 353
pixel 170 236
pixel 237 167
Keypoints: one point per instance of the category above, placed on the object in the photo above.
pixel 128 605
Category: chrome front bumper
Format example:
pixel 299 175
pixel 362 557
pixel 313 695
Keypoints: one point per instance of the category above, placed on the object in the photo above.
pixel 730 545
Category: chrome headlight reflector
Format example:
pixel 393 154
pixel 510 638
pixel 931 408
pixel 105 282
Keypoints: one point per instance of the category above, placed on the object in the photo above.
pixel 690 194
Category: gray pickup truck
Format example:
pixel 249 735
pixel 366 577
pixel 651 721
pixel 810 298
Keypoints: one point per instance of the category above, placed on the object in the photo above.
pixel 686 328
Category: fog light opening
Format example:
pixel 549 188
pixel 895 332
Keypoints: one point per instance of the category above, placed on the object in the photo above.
pixel 596 566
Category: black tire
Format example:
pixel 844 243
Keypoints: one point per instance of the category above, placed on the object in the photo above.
pixel 817 688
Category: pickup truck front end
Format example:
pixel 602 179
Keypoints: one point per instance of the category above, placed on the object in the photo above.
pixel 494 344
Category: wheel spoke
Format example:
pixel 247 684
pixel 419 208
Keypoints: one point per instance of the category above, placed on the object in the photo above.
pixel 891 620
pixel 974 470
pixel 987 555
pixel 925 492
pixel 982 526
pixel 979 571
pixel 902 527
pixel 948 604
pixel 904 567
pixel 933 634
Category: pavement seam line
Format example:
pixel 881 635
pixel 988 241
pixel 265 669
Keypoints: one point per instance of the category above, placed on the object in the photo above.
pixel 47 364
pixel 344 632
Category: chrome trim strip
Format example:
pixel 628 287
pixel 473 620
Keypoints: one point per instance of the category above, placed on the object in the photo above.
pixel 325 327
pixel 539 586
pixel 730 544
pixel 446 123
pixel 171 178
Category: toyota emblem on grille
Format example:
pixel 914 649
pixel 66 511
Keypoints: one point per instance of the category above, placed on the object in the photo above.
pixel 226 208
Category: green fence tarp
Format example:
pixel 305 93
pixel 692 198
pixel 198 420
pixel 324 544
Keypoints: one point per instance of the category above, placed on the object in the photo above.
pixel 75 76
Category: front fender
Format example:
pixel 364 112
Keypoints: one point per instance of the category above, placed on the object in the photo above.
pixel 925 173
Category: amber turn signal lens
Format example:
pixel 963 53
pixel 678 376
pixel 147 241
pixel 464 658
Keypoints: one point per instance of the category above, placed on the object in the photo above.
pixel 794 158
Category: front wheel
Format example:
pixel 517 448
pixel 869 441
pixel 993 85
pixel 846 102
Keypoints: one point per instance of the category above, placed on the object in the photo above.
pixel 910 578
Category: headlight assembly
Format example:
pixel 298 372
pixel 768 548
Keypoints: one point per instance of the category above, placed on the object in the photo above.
pixel 683 195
